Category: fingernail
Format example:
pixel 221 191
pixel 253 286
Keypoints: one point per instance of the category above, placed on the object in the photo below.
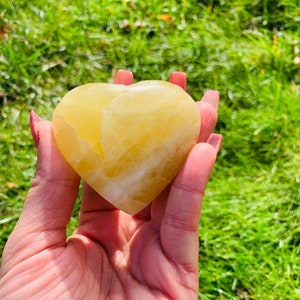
pixel 124 77
pixel 34 120
pixel 178 78
pixel 212 97
pixel 215 140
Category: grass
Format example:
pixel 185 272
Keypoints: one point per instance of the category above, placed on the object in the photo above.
pixel 248 50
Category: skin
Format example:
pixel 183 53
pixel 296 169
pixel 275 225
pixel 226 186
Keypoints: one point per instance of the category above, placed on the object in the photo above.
pixel 111 255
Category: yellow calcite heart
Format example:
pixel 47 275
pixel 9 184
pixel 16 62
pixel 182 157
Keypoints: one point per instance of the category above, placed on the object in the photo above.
pixel 127 142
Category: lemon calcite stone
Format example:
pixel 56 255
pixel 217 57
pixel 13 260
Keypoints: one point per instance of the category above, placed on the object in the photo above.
pixel 127 142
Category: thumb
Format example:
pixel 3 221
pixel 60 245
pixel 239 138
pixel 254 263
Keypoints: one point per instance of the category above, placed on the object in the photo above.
pixel 50 200
pixel 55 186
pixel 52 168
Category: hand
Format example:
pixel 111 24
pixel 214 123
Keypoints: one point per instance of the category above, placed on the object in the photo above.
pixel 111 255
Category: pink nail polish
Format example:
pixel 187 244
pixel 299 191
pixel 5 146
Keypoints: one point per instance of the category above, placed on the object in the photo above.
pixel 212 97
pixel 124 77
pixel 179 78
pixel 34 120
pixel 215 140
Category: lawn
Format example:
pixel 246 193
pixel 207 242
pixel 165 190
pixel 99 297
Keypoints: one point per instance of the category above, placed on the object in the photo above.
pixel 248 50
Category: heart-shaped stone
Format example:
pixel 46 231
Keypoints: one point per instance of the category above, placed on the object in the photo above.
pixel 127 142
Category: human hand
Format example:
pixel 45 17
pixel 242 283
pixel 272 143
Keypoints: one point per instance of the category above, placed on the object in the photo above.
pixel 111 255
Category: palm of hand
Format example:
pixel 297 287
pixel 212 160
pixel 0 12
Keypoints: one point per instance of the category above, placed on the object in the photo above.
pixel 152 255
pixel 123 260
pixel 86 269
